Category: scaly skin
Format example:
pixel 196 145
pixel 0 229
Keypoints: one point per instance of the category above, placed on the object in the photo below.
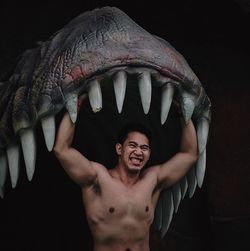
pixel 93 42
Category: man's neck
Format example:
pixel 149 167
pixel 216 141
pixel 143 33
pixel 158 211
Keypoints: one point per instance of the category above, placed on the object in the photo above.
pixel 127 178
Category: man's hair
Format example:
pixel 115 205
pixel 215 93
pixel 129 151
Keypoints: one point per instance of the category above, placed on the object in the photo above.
pixel 133 127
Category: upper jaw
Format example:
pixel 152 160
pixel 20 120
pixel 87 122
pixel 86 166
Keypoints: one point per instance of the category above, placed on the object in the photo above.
pixel 74 59
pixel 87 48
pixel 118 76
pixel 64 67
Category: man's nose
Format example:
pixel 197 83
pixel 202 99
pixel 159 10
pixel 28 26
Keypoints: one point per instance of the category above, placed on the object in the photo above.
pixel 138 151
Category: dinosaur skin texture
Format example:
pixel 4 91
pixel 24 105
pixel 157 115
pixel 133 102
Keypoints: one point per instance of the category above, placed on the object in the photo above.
pixel 99 46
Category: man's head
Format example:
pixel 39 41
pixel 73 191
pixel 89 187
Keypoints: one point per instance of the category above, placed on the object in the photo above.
pixel 133 147
pixel 133 127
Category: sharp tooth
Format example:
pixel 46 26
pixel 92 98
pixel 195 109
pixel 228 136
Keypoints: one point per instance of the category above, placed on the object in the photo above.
pixel 166 101
pixel 167 211
pixel 176 190
pixel 184 186
pixel 192 182
pixel 71 106
pixel 95 95
pixel 49 131
pixel 200 168
pixel 145 89
pixel 3 169
pixel 187 106
pixel 202 134
pixel 120 82
pixel 13 162
pixel 28 143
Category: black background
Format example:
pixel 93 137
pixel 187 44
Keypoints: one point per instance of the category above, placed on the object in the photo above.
pixel 213 36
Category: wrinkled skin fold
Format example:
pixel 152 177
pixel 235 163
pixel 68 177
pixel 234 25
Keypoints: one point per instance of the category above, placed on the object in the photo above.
pixel 99 46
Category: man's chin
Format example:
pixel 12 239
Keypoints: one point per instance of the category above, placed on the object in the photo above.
pixel 135 169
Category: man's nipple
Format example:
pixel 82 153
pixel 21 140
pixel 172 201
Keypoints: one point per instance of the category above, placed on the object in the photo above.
pixel 111 210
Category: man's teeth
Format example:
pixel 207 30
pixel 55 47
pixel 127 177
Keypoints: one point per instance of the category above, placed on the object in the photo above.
pixel 187 102
pixel 136 160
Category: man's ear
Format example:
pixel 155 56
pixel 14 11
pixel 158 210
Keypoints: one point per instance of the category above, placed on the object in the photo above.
pixel 118 148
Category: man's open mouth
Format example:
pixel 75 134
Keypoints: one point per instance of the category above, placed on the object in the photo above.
pixel 136 161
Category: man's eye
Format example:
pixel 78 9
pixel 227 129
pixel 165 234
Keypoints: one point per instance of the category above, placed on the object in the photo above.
pixel 145 148
pixel 132 145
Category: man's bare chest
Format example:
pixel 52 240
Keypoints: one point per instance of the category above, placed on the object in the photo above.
pixel 128 202
pixel 114 201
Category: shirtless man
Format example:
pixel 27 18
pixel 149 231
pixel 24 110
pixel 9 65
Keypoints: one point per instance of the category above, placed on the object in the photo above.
pixel 120 202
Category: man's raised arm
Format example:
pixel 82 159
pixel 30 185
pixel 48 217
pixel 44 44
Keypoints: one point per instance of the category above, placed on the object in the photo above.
pixel 79 168
pixel 174 169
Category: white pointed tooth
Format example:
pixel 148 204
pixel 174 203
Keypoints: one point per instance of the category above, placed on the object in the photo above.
pixel 120 83
pixel 28 143
pixel 201 168
pixel 49 131
pixel 95 95
pixel 71 106
pixel 184 186
pixel 13 163
pixel 3 169
pixel 145 88
pixel 187 106
pixel 192 182
pixel 202 134
pixel 167 211
pixel 166 101
pixel 176 191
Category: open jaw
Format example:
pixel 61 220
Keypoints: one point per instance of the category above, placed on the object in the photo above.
pixel 104 55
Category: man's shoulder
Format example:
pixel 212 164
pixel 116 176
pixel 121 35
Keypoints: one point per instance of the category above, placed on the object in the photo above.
pixel 99 167
pixel 150 171
pixel 102 170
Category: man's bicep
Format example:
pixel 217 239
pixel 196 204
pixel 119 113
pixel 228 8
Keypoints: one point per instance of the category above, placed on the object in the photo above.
pixel 78 167
pixel 174 169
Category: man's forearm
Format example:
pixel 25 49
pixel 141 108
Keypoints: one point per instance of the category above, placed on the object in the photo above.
pixel 65 133
pixel 188 138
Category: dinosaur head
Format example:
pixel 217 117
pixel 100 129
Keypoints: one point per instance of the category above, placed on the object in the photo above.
pixel 93 51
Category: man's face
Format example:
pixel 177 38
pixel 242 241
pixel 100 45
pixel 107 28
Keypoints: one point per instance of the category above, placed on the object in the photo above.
pixel 134 152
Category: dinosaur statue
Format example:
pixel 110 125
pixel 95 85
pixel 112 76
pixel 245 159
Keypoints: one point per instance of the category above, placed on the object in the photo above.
pixel 98 48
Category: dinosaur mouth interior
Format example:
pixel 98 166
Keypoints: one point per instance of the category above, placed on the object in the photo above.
pixel 96 132
pixel 97 129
